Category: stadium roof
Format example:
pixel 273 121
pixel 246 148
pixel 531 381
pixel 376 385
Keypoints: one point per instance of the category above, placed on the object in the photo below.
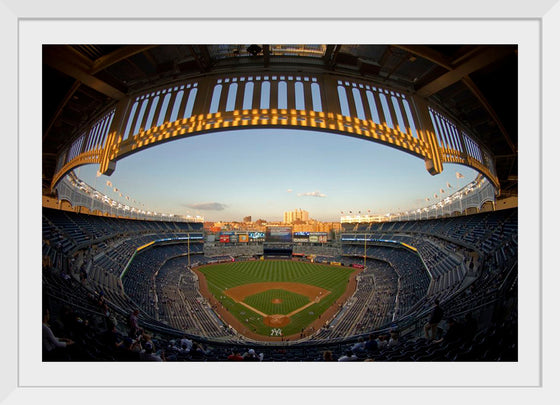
pixel 476 84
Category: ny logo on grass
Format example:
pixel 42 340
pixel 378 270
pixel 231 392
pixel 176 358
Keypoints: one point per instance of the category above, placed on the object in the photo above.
pixel 276 332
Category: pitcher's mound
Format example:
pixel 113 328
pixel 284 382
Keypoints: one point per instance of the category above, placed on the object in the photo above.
pixel 276 301
pixel 276 321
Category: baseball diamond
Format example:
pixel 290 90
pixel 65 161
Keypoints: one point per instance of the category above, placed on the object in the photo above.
pixel 256 297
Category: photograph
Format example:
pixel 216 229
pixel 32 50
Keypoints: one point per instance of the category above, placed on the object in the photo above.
pixel 279 203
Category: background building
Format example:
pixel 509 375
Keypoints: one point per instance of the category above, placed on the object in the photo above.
pixel 295 216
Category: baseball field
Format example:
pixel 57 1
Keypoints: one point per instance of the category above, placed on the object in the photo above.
pixel 276 298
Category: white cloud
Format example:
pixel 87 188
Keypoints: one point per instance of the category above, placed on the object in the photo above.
pixel 289 190
pixel 210 206
pixel 312 194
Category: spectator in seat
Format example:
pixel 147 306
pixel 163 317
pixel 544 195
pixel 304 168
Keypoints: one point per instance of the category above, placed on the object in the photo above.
pixel 371 344
pixel 129 350
pixel 235 356
pixel 251 355
pixel 348 356
pixel 328 356
pixel 359 346
pixel 53 347
pixel 433 322
pixel 453 333
pixel 113 338
pixel 186 345
pixel 198 352
pixel 148 353
pixel 382 341
pixel 133 327
pixel 394 339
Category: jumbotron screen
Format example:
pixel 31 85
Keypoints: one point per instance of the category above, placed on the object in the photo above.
pixel 278 234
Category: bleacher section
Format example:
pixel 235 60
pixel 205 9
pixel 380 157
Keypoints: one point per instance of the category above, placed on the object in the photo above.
pixel 372 305
pixel 70 230
pixel 410 274
pixel 159 283
pixel 484 231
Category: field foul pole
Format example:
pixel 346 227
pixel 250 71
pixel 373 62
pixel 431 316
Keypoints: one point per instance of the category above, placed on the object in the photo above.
pixel 365 249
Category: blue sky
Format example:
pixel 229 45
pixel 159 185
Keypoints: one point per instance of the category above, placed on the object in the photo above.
pixel 264 172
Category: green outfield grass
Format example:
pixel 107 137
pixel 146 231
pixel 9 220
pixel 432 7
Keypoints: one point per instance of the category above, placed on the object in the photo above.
pixel 223 276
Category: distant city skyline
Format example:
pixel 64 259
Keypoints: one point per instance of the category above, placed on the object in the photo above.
pixel 262 173
pixel 296 215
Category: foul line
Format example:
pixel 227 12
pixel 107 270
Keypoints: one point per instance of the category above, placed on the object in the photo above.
pixel 251 308
pixel 315 301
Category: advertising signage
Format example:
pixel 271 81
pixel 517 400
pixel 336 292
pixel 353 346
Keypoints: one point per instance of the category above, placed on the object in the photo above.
pixel 256 235
pixel 318 237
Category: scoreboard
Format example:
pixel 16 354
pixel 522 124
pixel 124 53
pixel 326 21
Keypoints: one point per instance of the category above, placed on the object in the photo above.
pixel 301 237
pixel 282 234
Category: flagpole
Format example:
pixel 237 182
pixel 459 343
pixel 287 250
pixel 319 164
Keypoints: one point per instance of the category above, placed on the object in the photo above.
pixel 365 249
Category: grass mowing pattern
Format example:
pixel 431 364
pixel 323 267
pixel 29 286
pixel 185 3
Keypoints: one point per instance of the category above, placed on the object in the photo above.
pixel 228 275
pixel 263 301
